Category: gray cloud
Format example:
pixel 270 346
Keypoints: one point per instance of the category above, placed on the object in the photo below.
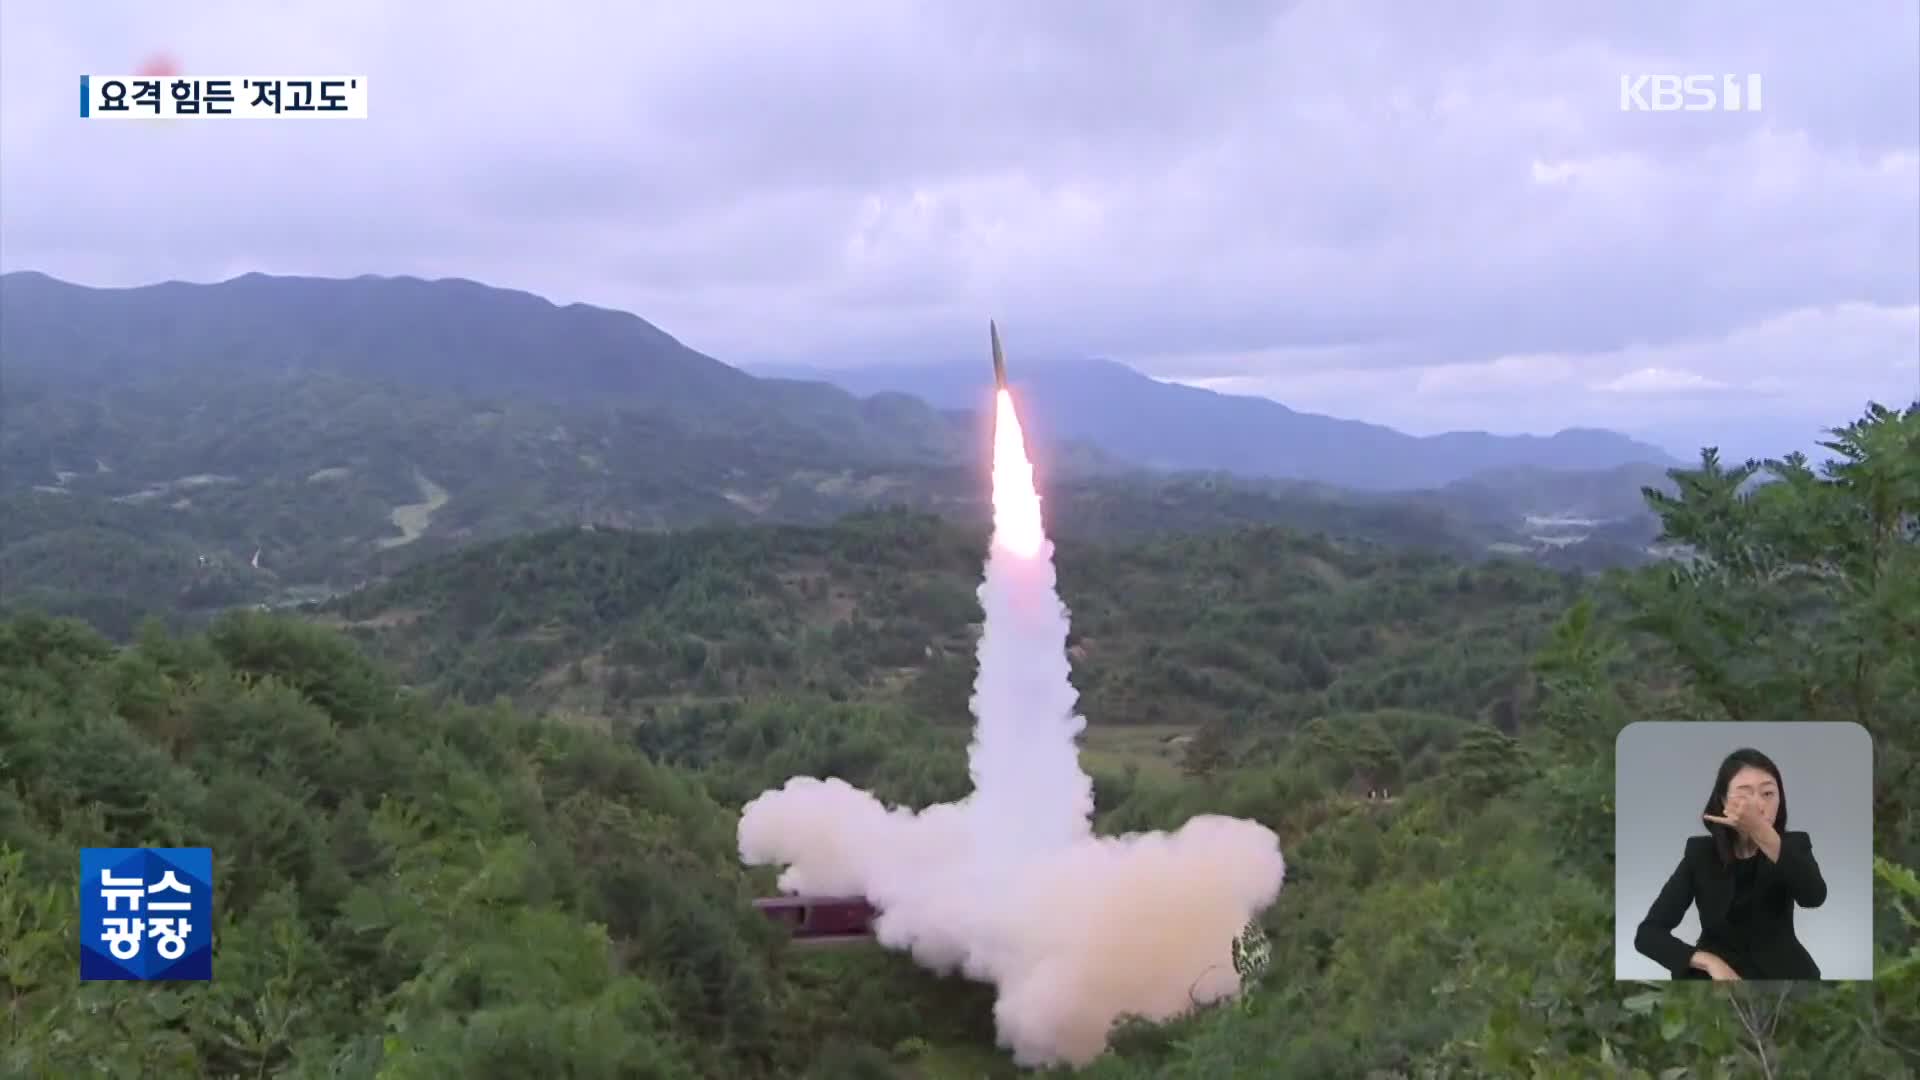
pixel 1329 202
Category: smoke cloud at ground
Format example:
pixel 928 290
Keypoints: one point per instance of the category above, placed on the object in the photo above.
pixel 1010 885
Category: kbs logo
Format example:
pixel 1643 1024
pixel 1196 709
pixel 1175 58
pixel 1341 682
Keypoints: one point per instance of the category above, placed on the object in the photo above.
pixel 1689 93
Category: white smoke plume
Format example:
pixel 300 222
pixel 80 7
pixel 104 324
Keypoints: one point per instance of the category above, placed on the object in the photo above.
pixel 1010 885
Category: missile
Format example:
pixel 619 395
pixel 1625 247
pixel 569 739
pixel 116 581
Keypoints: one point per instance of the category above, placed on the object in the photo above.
pixel 999 358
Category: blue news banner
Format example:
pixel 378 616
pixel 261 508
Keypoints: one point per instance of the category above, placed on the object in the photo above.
pixel 146 914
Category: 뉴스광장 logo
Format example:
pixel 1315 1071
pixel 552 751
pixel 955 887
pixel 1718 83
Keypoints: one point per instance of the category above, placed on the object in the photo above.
pixel 146 914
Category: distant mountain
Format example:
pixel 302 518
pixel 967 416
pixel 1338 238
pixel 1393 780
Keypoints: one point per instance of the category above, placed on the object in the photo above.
pixel 462 337
pixel 182 448
pixel 1168 426
pixel 448 336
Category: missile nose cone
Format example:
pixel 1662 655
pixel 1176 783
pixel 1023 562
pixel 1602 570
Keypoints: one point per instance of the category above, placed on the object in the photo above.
pixel 999 358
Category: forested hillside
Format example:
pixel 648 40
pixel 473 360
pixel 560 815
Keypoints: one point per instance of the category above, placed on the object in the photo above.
pixel 413 885
pixel 183 497
pixel 1253 627
pixel 178 450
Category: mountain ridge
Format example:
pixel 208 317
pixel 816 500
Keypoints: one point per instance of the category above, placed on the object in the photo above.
pixel 168 447
pixel 1175 426
pixel 449 334
pixel 463 335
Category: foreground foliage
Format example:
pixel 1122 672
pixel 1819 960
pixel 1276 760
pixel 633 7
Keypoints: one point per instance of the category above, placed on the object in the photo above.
pixel 414 886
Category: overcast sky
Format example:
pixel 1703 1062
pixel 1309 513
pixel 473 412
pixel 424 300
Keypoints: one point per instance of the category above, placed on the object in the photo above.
pixel 1433 215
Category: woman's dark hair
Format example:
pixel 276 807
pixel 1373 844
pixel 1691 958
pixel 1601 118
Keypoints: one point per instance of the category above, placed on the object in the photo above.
pixel 1725 837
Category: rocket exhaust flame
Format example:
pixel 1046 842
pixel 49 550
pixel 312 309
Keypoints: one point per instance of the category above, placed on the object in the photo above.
pixel 1016 503
pixel 1010 885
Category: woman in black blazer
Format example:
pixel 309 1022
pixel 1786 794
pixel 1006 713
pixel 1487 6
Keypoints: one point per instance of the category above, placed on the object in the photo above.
pixel 1746 876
